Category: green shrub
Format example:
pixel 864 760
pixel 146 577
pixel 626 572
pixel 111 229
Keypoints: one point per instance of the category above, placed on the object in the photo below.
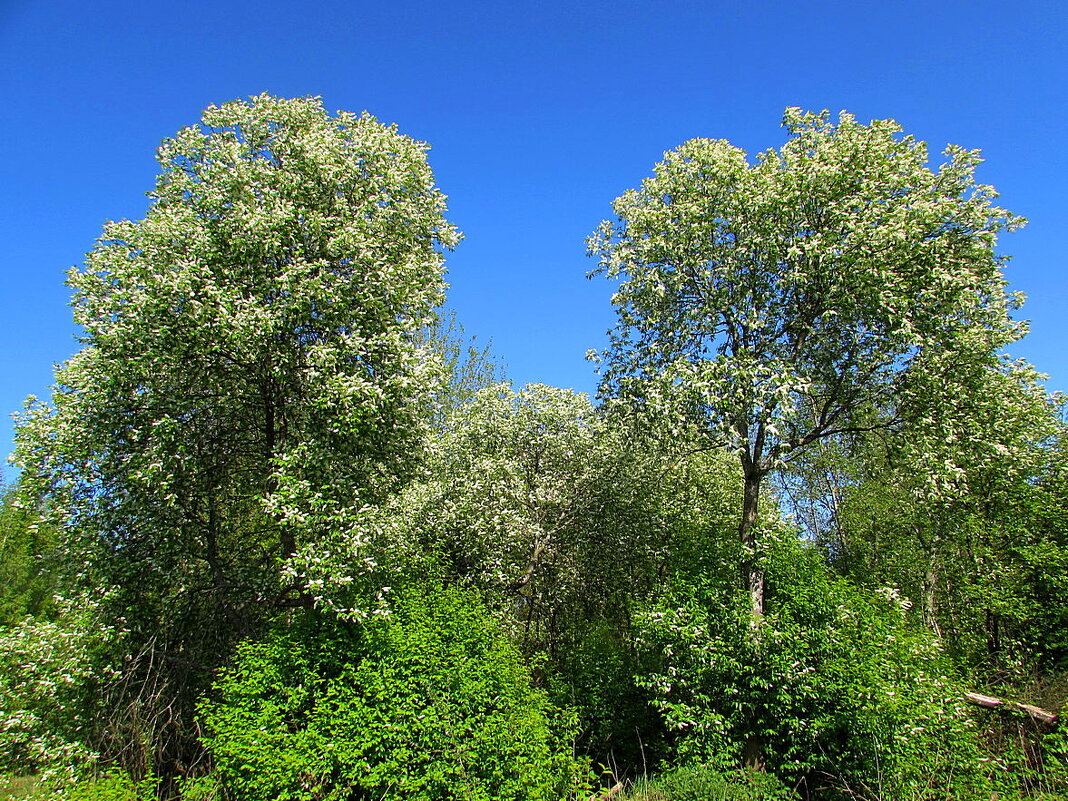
pixel 112 787
pixel 424 702
pixel 50 672
pixel 619 727
pixel 27 552
pixel 834 690
pixel 19 787
pixel 696 783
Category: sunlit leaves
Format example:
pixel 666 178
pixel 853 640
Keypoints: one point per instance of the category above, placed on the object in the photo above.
pixel 252 371
pixel 771 299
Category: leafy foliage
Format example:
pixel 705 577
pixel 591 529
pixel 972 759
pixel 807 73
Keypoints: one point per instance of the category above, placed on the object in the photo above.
pixel 776 302
pixel 27 549
pixel 704 784
pixel 468 366
pixel 427 700
pixel 251 377
pixel 980 548
pixel 527 497
pixel 50 676
pixel 112 787
pixel 839 687
pixel 562 519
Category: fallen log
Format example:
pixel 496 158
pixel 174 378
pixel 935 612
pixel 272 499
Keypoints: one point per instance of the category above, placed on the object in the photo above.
pixel 1036 713
pixel 1039 714
pixel 983 700
pixel 611 792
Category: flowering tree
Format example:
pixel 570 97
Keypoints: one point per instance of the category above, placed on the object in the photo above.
pixel 798 298
pixel 251 374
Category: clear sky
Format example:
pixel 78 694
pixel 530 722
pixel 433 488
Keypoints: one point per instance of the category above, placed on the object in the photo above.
pixel 538 114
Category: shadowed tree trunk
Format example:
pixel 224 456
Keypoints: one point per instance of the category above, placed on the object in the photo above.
pixel 752 570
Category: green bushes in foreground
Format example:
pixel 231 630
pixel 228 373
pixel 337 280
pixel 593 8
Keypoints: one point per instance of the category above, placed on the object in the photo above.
pixel 836 692
pixel 695 783
pixel 426 701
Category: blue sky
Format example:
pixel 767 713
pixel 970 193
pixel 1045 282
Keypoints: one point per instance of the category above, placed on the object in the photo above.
pixel 538 114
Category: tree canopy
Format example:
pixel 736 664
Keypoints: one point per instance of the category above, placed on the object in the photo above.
pixel 789 300
pixel 251 373
pixel 283 530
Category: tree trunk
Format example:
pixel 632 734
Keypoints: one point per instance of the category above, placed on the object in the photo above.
pixel 993 635
pixel 271 426
pixel 753 753
pixel 753 581
pixel 752 570
pixel 930 598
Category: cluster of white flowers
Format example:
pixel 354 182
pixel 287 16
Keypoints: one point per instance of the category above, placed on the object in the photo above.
pixel 44 666
pixel 893 595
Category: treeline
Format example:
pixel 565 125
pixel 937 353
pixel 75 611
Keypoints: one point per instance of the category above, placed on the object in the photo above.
pixel 283 532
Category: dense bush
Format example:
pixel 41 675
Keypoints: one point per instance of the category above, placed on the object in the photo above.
pixel 426 701
pixel 112 787
pixel 619 728
pixel 50 673
pixel 834 689
pixel 27 552
pixel 109 785
pixel 696 783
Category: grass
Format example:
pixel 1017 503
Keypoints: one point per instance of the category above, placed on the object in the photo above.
pixel 15 787
pixel 700 784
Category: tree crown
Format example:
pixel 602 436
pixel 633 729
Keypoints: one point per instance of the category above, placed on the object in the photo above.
pixel 779 296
